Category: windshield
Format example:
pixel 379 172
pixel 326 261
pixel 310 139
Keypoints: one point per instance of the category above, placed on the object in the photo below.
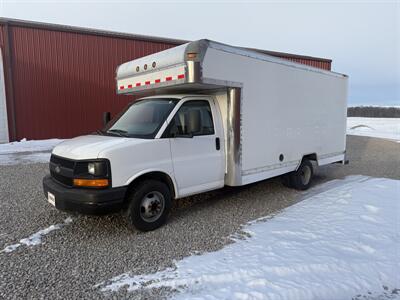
pixel 142 119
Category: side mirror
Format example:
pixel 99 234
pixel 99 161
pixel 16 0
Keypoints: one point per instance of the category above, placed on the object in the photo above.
pixel 106 118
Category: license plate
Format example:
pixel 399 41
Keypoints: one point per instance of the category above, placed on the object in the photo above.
pixel 51 198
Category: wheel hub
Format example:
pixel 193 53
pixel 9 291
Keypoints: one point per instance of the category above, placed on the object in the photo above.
pixel 152 206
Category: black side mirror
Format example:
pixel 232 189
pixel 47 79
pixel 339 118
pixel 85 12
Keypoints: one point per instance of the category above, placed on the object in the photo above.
pixel 106 118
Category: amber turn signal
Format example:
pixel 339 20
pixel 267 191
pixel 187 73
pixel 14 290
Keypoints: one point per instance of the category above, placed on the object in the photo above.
pixel 191 55
pixel 91 182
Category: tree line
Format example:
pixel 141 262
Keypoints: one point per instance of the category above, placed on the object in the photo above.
pixel 373 112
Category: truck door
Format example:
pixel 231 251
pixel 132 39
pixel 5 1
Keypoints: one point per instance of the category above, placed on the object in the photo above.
pixel 196 147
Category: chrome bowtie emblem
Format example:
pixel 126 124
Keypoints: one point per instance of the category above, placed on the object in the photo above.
pixel 57 169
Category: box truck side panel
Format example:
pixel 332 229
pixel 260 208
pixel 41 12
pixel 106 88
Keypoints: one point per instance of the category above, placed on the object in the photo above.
pixel 286 112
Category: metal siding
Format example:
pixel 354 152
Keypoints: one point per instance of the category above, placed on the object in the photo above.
pixel 4 136
pixel 64 81
pixel 326 65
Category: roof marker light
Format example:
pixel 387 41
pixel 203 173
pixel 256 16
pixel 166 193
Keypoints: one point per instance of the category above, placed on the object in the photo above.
pixel 191 55
pixel 168 78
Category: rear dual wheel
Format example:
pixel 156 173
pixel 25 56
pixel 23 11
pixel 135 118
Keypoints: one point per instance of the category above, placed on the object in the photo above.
pixel 301 178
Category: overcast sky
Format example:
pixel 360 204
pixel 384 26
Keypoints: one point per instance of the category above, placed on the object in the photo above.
pixel 362 37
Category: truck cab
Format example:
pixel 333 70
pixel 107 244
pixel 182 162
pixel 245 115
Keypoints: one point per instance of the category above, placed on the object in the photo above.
pixel 161 147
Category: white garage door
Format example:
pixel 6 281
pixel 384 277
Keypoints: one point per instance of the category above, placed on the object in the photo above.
pixel 3 107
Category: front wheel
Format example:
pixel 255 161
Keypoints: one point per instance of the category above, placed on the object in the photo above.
pixel 149 205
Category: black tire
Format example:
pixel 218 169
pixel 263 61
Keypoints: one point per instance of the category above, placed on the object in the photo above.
pixel 144 201
pixel 302 178
pixel 286 180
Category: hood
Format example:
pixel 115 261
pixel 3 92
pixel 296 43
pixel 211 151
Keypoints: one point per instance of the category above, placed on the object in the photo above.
pixel 90 146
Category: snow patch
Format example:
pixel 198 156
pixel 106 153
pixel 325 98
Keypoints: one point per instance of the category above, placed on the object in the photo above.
pixel 25 158
pixel 29 146
pixel 386 128
pixel 24 151
pixel 11 248
pixel 36 238
pixel 320 248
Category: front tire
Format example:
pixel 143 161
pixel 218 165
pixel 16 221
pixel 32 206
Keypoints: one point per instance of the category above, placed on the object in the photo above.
pixel 149 205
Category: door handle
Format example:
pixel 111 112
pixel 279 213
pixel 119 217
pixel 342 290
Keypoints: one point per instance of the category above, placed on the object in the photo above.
pixel 217 143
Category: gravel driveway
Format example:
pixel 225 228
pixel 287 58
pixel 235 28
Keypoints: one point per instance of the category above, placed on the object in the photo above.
pixel 72 259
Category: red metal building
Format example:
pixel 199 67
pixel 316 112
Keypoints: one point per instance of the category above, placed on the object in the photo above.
pixel 60 79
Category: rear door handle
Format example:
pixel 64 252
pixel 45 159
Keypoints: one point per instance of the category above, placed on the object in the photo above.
pixel 217 143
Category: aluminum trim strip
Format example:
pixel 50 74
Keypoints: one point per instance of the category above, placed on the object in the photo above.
pixel 234 146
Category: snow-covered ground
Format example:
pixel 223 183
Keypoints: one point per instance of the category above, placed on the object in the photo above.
pixel 338 244
pixel 27 151
pixel 387 128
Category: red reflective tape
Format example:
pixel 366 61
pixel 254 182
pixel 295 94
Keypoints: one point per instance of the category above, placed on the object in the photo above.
pixel 129 86
pixel 168 78
pixel 138 84
pixel 157 80
pixel 121 87
pixel 181 76
pixel 147 82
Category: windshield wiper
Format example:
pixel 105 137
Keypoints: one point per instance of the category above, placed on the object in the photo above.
pixel 119 132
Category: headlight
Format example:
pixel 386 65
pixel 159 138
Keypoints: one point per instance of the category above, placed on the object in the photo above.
pixel 97 168
pixel 92 168
pixel 95 173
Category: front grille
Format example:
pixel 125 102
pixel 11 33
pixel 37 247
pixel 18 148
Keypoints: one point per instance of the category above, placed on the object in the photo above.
pixel 61 178
pixel 63 162
pixel 62 169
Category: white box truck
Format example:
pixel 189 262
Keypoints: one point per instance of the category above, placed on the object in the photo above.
pixel 218 115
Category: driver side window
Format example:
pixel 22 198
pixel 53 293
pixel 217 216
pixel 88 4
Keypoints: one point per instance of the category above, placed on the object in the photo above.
pixel 193 118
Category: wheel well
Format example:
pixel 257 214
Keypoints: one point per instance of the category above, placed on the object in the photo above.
pixel 159 176
pixel 312 156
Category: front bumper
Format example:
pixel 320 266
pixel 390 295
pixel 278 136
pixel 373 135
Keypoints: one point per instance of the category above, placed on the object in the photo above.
pixel 85 201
